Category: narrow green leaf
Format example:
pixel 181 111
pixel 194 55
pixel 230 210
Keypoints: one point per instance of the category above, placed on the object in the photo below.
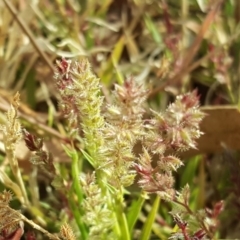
pixel 189 171
pixel 106 73
pixel 202 184
pixel 88 157
pixel 152 29
pixel 134 211
pixel 50 115
pixel 124 227
pixel 67 150
pixel 147 228
pixel 122 221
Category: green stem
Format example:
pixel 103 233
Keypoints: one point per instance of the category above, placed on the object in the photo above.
pixel 122 221
pixel 16 172
pixel 75 176
pixel 18 175
pixel 76 188
pixel 77 215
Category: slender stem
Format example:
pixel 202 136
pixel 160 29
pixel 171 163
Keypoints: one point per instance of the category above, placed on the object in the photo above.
pixel 16 171
pixel 77 215
pixel 18 176
pixel 77 188
pixel 75 175
pixel 122 221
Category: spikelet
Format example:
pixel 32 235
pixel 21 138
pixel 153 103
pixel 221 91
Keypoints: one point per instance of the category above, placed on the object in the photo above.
pixel 66 232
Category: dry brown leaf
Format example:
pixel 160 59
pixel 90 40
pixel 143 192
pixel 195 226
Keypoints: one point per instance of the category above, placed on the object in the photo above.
pixel 221 127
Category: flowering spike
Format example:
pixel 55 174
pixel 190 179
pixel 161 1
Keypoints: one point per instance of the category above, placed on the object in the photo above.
pixel 81 101
pixel 31 141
